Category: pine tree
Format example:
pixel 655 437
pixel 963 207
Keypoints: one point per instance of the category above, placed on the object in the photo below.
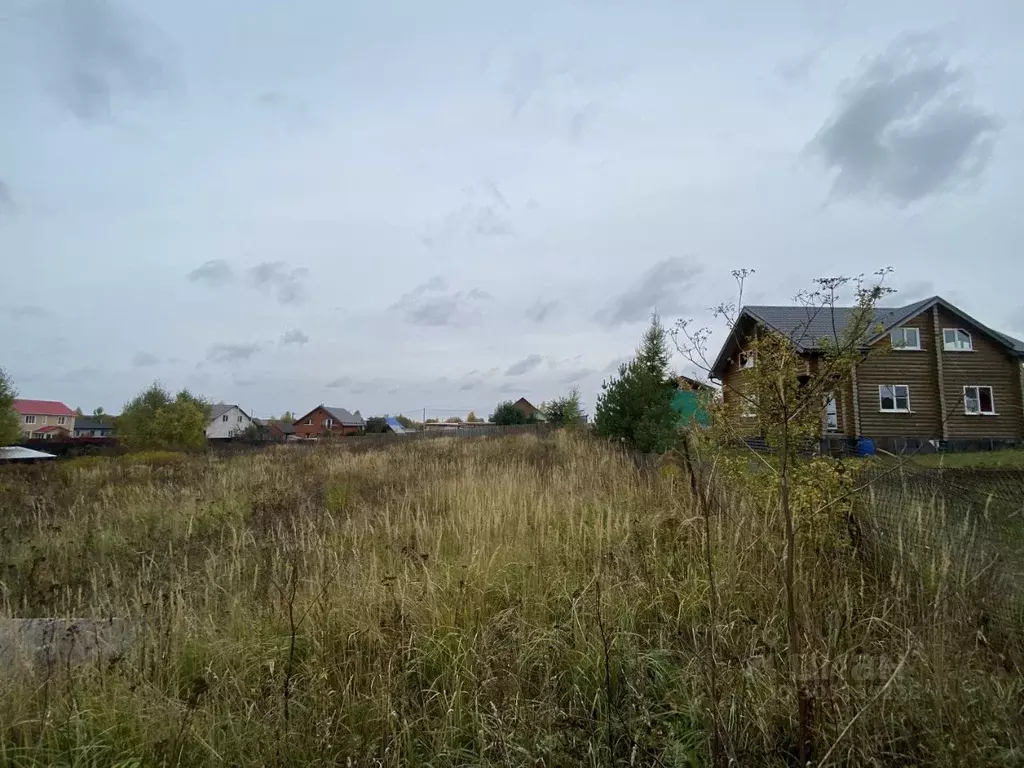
pixel 636 406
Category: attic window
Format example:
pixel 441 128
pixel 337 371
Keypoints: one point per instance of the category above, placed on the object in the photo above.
pixel 309 422
pixel 224 417
pixel 956 340
pixel 328 423
pixel 747 359
pixel 906 339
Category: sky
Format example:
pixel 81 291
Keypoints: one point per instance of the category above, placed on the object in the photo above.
pixel 404 206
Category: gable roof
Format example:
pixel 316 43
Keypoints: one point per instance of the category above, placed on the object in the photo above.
pixel 219 409
pixel 394 425
pixel 343 417
pixel 806 327
pixel 42 408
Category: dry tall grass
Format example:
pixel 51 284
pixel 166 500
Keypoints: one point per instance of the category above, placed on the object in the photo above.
pixel 523 601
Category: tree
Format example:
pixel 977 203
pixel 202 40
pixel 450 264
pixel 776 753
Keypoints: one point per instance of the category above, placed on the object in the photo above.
pixel 636 406
pixel 406 422
pixel 507 414
pixel 78 413
pixel 453 420
pixel 10 432
pixel 152 419
pixel 431 421
pixel 287 416
pixel 376 425
pixel 564 411
pixel 788 399
pixel 472 418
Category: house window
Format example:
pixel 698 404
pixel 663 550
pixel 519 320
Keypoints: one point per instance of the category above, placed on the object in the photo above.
pixel 309 422
pixel 748 406
pixel 831 414
pixel 906 338
pixel 956 340
pixel 328 423
pixel 747 359
pixel 30 419
pixel 894 398
pixel 224 417
pixel 60 419
pixel 239 419
pixel 978 401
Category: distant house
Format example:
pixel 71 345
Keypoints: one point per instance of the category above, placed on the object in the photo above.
pixel 528 409
pixel 226 421
pixel 277 429
pixel 691 400
pixel 328 420
pixel 44 419
pixel 87 427
pixel 393 425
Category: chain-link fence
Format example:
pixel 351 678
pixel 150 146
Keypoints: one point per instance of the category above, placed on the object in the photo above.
pixel 957 534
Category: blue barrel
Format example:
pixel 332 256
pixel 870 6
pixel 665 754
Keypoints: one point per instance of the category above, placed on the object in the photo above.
pixel 865 446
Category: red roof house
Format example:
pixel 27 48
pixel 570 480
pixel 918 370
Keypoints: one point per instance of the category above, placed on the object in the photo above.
pixel 44 419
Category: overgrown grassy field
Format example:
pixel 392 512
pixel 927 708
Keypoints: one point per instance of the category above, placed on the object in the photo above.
pixel 539 601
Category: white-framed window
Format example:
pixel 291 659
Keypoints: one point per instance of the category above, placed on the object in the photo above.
pixel 956 340
pixel 831 414
pixel 239 419
pixel 224 417
pixel 30 419
pixel 747 359
pixel 979 401
pixel 61 419
pixel 309 422
pixel 894 398
pixel 906 339
pixel 42 419
pixel 328 423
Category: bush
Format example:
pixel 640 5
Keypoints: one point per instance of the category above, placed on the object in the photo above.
pixel 153 420
pixel 508 414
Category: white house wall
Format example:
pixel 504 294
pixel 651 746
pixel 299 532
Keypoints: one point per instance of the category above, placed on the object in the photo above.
pixel 221 429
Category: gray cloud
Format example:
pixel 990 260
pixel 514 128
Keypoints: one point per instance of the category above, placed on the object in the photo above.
pixel 232 353
pixel 27 312
pixel 527 364
pixel 661 287
pixel 796 68
pixel 573 377
pixel 144 360
pixel 342 382
pixel 541 310
pixel 215 272
pixel 904 129
pixel 434 304
pixel 294 336
pixel 484 213
pixel 285 281
pixel 103 53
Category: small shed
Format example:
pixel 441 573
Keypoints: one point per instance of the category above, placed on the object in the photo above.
pixel 15 454
pixel 691 401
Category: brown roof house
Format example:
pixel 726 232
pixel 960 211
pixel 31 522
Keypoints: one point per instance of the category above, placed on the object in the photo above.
pixel 944 377
pixel 324 421
pixel 528 409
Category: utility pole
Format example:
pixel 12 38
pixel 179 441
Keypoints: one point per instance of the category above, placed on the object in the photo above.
pixel 424 414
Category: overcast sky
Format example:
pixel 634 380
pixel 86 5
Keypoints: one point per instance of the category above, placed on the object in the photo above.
pixel 388 206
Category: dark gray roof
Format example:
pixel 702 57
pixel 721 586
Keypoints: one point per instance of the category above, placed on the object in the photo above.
pixel 345 418
pixel 809 326
pixel 219 409
pixel 91 424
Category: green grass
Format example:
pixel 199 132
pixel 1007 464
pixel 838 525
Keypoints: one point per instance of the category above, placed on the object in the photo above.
pixel 522 601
